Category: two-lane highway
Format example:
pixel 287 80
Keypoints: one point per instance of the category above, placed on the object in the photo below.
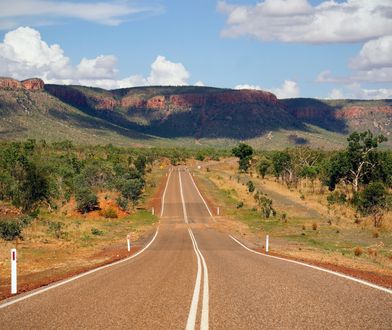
pixel 194 276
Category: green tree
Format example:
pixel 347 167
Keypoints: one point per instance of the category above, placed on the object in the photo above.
pixel 244 152
pixel 263 166
pixel 374 200
pixel 358 162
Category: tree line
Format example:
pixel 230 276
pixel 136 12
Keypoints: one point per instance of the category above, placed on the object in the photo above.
pixel 359 176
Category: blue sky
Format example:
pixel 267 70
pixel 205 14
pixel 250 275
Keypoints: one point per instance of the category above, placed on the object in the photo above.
pixel 318 48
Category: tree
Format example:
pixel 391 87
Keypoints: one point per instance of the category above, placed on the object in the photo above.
pixel 374 200
pixel 132 190
pixel 281 162
pixel 244 152
pixel 357 163
pixel 262 167
pixel 140 164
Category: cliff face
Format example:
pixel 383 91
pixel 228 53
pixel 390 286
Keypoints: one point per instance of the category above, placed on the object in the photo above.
pixel 29 84
pixel 343 115
pixel 194 111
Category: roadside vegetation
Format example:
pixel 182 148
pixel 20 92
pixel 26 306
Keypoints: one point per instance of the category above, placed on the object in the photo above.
pixel 330 206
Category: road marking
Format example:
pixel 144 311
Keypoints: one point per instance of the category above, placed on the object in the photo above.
pixel 197 189
pixel 205 305
pixel 39 291
pixel 164 194
pixel 182 199
pixel 375 286
pixel 191 322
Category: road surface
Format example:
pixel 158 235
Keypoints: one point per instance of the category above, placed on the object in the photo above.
pixel 193 276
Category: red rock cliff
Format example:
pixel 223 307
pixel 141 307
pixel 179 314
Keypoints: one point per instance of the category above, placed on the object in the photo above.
pixel 33 84
pixel 29 84
pixel 9 83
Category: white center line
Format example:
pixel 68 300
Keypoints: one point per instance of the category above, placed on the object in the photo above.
pixel 191 323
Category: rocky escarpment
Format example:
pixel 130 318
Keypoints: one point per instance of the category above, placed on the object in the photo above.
pixel 32 84
pixel 182 111
pixel 343 115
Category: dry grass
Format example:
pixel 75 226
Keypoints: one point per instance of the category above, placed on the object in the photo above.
pixel 313 230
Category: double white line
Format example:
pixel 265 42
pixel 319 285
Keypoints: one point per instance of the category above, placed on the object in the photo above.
pixel 191 323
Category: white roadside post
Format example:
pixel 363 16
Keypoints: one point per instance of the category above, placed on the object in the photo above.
pixel 14 288
pixel 217 210
pixel 266 244
pixel 129 242
pixel 152 211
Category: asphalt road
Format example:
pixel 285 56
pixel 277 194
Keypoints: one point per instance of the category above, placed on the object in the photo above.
pixel 193 276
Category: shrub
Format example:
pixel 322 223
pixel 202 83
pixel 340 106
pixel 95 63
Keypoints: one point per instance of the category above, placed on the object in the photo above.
pixel 337 198
pixel 314 226
pixel 55 228
pixel 251 186
pixel 10 230
pixel 108 213
pixel 358 251
pixel 122 203
pixel 87 200
pixel 240 205
pixel 96 231
pixel 376 234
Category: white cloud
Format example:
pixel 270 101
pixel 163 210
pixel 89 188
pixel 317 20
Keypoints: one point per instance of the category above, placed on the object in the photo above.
pixel 23 54
pixel 374 54
pixel 164 72
pixel 355 91
pixel 299 21
pixel 372 64
pixel 42 12
pixel 289 89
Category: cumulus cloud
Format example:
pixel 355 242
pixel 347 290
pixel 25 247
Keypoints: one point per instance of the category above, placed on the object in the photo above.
pixel 374 54
pixel 289 89
pixel 164 72
pixel 355 91
pixel 23 54
pixel 299 21
pixel 372 64
pixel 42 12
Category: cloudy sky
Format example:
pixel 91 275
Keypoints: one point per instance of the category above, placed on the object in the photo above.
pixel 308 48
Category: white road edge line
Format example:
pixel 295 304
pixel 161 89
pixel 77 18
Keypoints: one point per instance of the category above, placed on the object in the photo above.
pixel 191 323
pixel 50 287
pixel 374 286
pixel 164 194
pixel 53 286
pixel 198 191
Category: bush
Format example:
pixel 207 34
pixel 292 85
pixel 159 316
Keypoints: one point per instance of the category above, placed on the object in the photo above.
pixel 87 200
pixel 10 230
pixel 251 186
pixel 122 203
pixel 358 251
pixel 96 231
pixel 108 213
pixel 240 205
pixel 314 226
pixel 55 228
pixel 337 198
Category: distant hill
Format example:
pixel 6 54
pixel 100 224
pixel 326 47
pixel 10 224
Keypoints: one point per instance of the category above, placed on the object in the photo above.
pixel 185 115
